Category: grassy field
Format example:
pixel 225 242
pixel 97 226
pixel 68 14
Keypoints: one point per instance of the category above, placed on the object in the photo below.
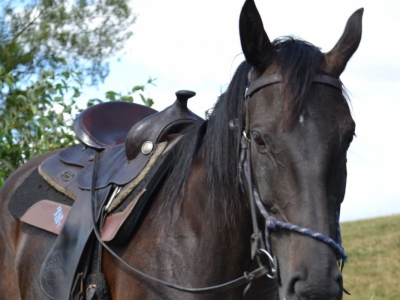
pixel 373 268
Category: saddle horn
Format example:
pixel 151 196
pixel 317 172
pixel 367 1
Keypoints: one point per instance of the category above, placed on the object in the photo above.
pixel 183 96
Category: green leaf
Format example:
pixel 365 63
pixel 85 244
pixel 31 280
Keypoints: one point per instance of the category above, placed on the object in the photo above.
pixel 67 109
pixel 61 60
pixel 149 102
pixel 77 92
pixel 33 108
pixel 110 95
pixel 22 99
pixel 138 88
pixel 151 81
pixel 52 91
pixel 45 122
pixel 126 98
pixel 92 102
pixel 8 79
pixel 65 74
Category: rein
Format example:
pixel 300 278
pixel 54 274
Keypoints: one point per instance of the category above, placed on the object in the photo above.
pixel 257 247
pixel 248 277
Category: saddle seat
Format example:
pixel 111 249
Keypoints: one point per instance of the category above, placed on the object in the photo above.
pixel 106 124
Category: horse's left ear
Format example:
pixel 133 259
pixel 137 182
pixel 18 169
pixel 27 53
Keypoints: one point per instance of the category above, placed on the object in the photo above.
pixel 256 45
pixel 337 58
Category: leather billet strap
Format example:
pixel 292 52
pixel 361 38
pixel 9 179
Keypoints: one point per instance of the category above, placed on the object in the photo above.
pixel 275 78
pixel 61 263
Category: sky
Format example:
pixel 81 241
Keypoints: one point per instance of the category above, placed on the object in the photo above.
pixel 195 45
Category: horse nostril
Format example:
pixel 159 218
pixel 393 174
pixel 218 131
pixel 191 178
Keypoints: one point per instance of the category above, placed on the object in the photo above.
pixel 291 285
pixel 301 286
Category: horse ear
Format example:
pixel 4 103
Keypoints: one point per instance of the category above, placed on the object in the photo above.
pixel 256 45
pixel 337 58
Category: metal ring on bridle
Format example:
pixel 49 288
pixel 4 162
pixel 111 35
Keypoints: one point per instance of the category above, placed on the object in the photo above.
pixel 245 136
pixel 272 263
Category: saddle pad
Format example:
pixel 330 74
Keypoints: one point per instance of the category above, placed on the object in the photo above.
pixel 33 190
pixel 37 203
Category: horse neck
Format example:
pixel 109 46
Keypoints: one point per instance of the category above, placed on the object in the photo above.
pixel 223 231
pixel 197 227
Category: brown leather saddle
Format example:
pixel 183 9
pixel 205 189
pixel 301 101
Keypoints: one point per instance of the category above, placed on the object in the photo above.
pixel 134 144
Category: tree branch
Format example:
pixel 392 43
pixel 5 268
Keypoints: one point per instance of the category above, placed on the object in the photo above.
pixel 28 25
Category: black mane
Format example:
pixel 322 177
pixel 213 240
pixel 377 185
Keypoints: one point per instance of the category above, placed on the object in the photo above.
pixel 219 148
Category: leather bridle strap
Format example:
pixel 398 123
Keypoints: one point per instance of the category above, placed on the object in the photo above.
pixel 246 278
pixel 245 164
pixel 275 78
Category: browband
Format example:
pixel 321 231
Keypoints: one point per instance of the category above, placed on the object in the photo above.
pixel 275 78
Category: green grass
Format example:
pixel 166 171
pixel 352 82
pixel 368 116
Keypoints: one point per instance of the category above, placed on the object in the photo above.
pixel 373 267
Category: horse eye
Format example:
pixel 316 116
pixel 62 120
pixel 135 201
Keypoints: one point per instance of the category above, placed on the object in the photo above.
pixel 257 138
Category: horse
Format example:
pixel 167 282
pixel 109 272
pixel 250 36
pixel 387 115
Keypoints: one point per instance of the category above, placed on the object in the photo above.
pixel 276 139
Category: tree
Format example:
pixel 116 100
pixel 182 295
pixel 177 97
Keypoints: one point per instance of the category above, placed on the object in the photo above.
pixel 62 35
pixel 36 119
pixel 39 118
pixel 48 50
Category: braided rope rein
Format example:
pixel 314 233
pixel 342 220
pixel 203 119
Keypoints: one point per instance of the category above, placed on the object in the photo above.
pixel 272 224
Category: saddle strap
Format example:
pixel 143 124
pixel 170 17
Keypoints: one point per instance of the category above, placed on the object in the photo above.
pixel 59 268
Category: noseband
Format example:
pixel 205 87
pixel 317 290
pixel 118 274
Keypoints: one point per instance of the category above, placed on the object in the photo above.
pixel 245 167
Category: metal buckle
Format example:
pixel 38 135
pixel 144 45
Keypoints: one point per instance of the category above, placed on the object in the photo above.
pixel 272 263
pixel 245 136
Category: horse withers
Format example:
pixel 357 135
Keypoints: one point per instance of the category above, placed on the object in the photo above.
pixel 278 136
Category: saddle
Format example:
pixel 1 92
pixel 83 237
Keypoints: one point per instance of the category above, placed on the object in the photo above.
pixel 134 145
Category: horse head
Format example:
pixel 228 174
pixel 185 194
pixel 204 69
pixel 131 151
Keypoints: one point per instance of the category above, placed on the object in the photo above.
pixel 300 127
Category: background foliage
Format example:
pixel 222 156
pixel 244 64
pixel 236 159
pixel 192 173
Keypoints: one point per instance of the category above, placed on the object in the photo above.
pixel 62 35
pixel 38 118
pixel 49 50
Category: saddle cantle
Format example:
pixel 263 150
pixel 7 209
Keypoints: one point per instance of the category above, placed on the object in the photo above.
pixel 134 151
pixel 106 124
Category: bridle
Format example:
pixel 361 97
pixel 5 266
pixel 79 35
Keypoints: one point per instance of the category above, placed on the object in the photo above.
pixel 245 167
pixel 257 249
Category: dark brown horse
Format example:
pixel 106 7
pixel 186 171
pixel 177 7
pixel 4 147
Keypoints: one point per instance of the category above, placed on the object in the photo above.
pixel 197 231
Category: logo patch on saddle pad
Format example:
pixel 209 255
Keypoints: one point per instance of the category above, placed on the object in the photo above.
pixel 58 216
